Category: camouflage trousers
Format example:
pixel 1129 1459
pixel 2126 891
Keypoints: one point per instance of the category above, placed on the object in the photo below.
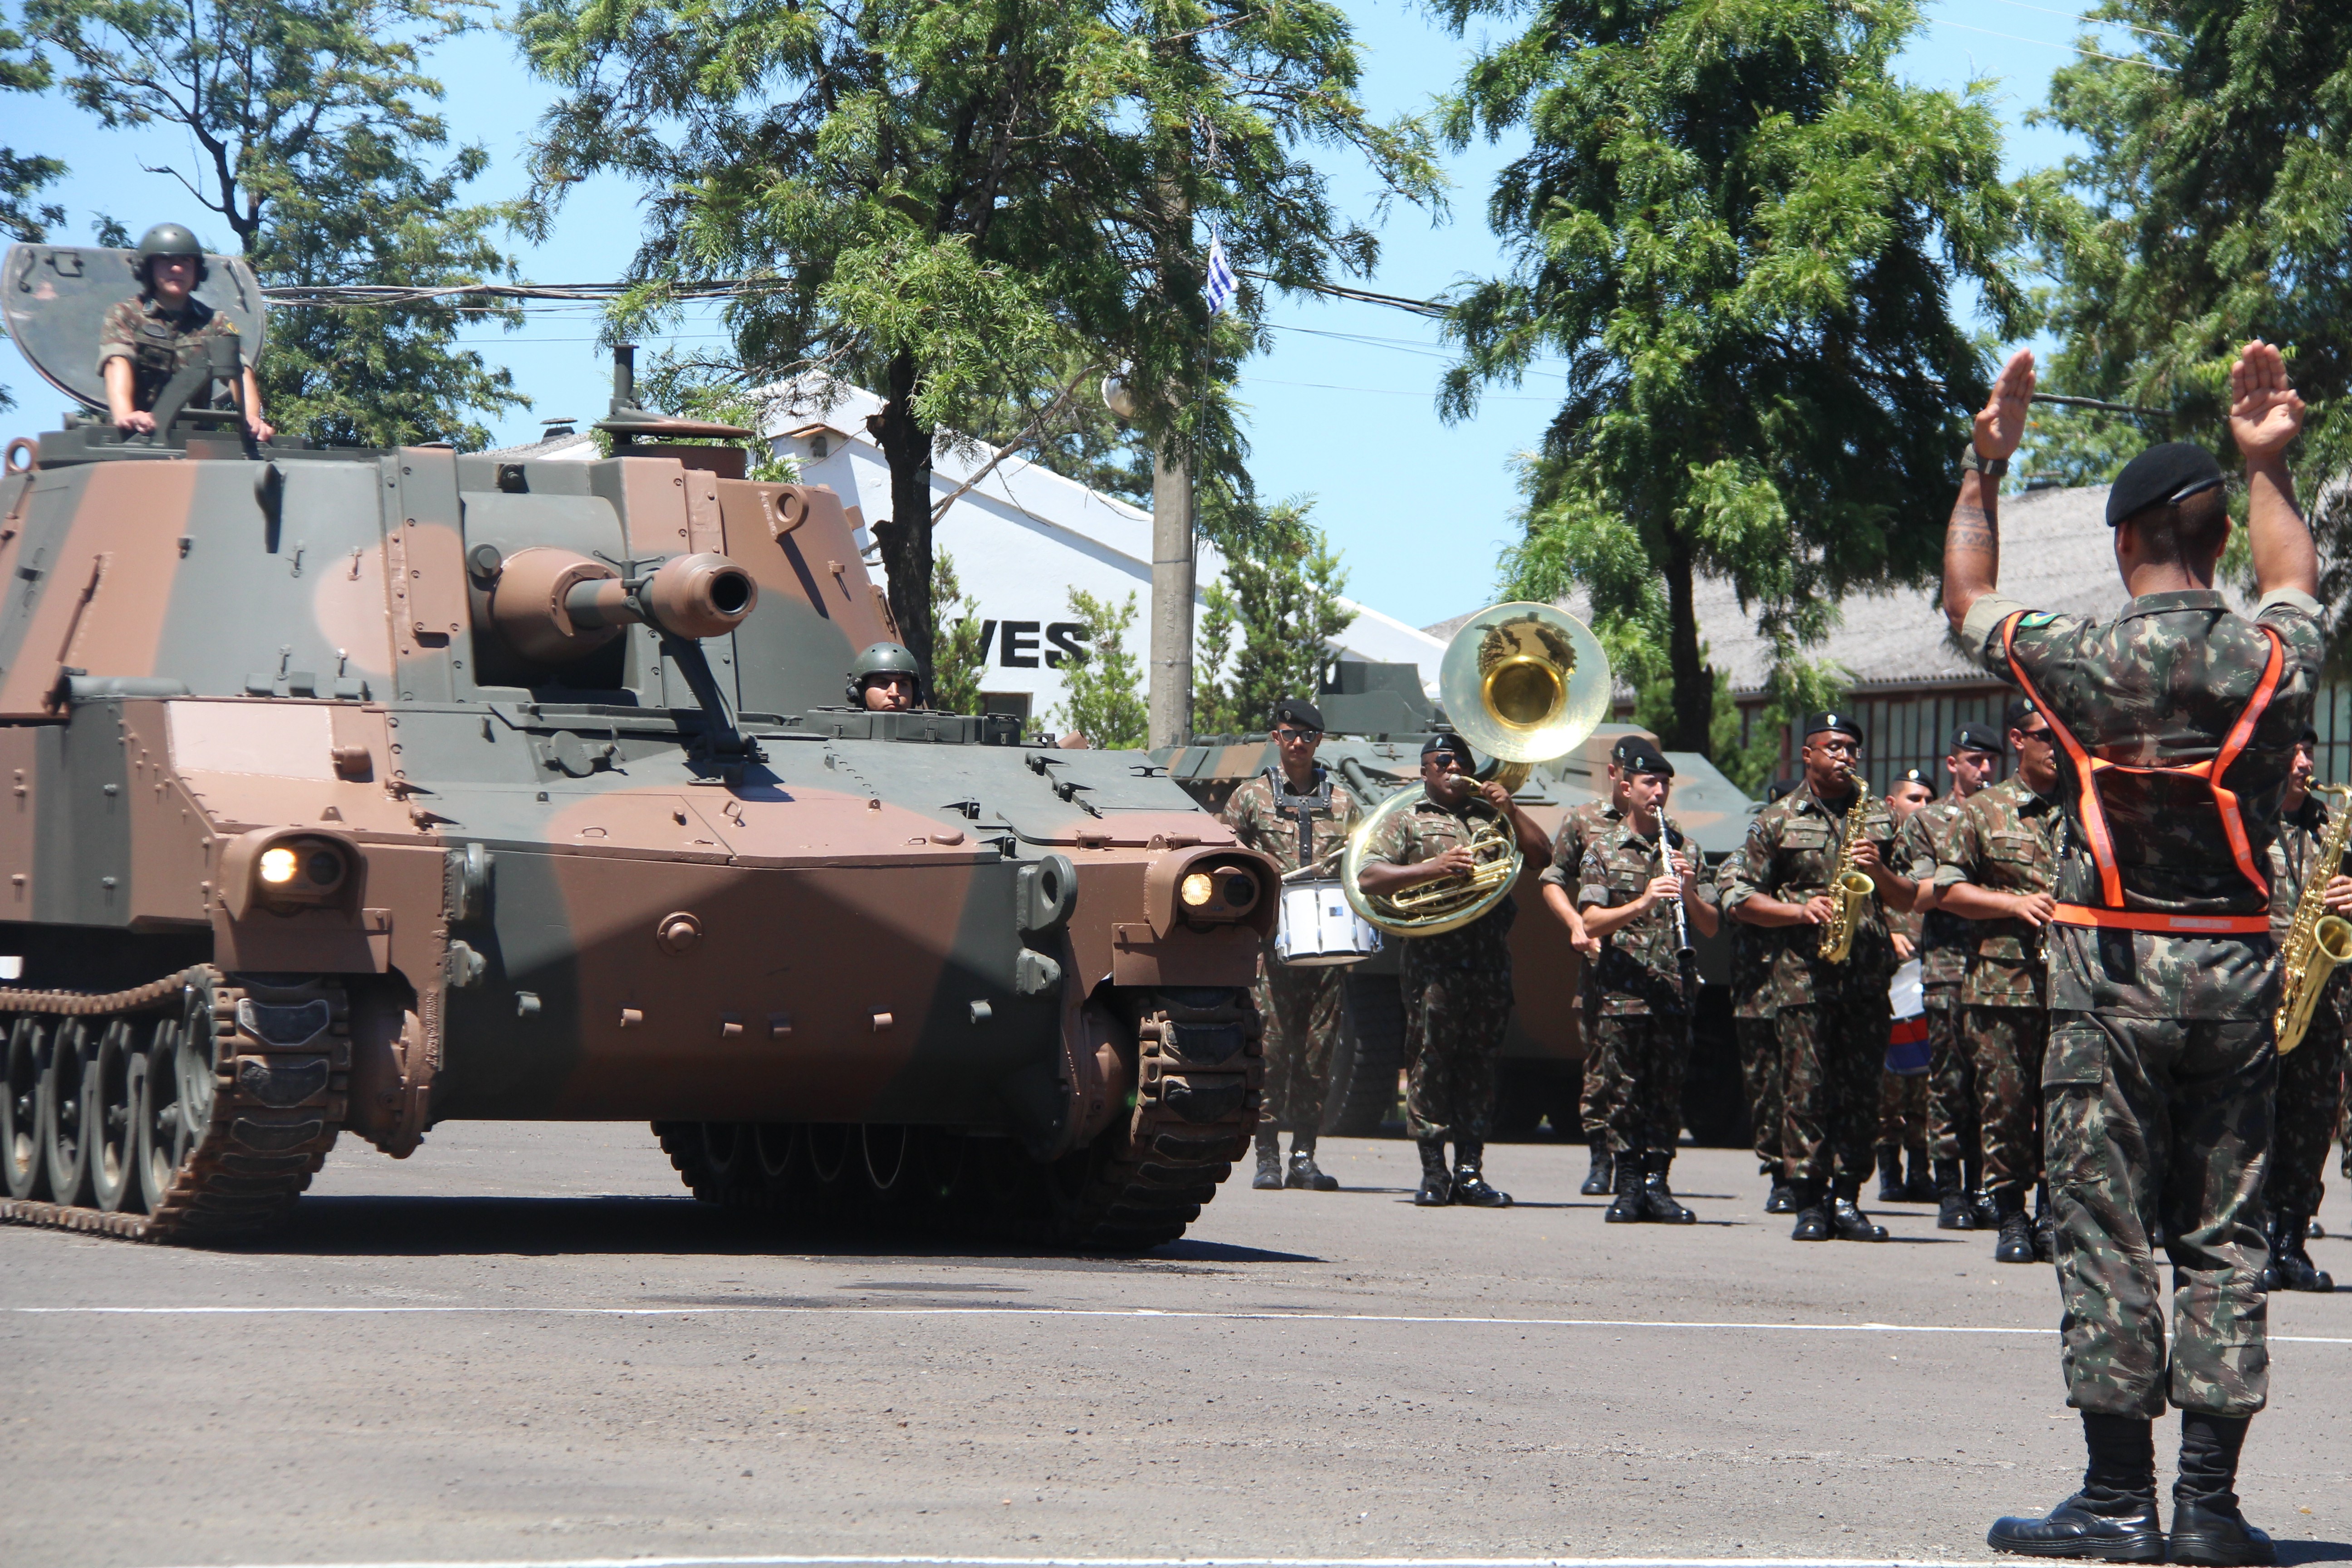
pixel 1833 1050
pixel 2310 1099
pixel 1603 1099
pixel 1455 1020
pixel 1952 1127
pixel 1301 1007
pixel 1759 1070
pixel 1901 1110
pixel 2164 1118
pixel 1652 1050
pixel 2007 1044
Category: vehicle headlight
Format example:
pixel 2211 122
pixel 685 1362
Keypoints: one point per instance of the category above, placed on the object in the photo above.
pixel 277 866
pixel 1196 889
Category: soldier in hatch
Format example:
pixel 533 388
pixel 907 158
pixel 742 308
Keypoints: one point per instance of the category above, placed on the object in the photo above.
pixel 886 678
pixel 166 328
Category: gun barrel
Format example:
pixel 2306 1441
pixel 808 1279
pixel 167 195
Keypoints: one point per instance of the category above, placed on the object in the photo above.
pixel 556 605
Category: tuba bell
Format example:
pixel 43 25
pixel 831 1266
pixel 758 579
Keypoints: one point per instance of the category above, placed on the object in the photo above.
pixel 1524 683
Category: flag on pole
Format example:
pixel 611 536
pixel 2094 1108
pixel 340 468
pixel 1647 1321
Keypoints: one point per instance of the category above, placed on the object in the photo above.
pixel 1222 284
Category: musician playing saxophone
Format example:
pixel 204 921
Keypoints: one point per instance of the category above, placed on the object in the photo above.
pixel 1635 995
pixel 1998 870
pixel 2310 1077
pixel 1457 985
pixel 1833 1017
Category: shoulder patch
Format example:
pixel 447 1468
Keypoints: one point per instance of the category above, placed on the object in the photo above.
pixel 2035 618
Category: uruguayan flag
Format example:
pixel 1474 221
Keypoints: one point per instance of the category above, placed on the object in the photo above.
pixel 1222 285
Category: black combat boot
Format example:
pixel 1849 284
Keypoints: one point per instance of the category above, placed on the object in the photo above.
pixel 2291 1266
pixel 1812 1203
pixel 1269 1162
pixel 1921 1188
pixel 1629 1208
pixel 1470 1181
pixel 2207 1527
pixel 1847 1222
pixel 1779 1199
pixel 2113 1518
pixel 2016 1243
pixel 2045 1226
pixel 1953 1210
pixel 1657 1198
pixel 1599 1180
pixel 1305 1173
pixel 1436 1182
pixel 1890 1172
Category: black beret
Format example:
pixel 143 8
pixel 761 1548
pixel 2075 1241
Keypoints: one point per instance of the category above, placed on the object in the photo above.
pixel 1975 738
pixel 2171 471
pixel 1916 776
pixel 2309 737
pixel 2020 709
pixel 1843 723
pixel 1777 788
pixel 1299 711
pixel 1447 742
pixel 1635 754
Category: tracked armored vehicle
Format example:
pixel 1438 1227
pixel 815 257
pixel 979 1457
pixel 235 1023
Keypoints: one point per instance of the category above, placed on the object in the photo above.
pixel 358 790
pixel 1378 716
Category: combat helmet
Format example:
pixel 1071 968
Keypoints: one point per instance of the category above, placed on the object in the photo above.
pixel 168 240
pixel 882 659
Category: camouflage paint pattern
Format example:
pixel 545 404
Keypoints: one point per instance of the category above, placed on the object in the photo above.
pixel 2168 1117
pixel 2006 1045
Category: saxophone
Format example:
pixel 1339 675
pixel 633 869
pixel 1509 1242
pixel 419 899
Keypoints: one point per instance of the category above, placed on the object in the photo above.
pixel 2318 940
pixel 1850 888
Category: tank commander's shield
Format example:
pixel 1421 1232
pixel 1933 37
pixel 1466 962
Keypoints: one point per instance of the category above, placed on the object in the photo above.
pixel 55 297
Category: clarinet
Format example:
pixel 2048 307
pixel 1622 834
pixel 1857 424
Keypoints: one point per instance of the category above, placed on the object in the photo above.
pixel 1685 955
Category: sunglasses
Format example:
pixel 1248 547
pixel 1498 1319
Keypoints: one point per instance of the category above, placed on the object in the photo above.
pixel 2041 735
pixel 1287 733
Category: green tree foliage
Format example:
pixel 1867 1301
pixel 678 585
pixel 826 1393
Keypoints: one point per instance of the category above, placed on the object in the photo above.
pixel 1281 595
pixel 1103 688
pixel 957 665
pixel 307 134
pixel 2211 208
pixel 22 175
pixel 968 207
pixel 1741 234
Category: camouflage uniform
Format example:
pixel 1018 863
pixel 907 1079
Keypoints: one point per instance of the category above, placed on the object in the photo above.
pixel 2157 1082
pixel 1633 991
pixel 1831 1018
pixel 2311 1077
pixel 1604 1077
pixel 1902 1097
pixel 1457 992
pixel 158 343
pixel 1301 1006
pixel 2004 843
pixel 1945 942
pixel 1752 1023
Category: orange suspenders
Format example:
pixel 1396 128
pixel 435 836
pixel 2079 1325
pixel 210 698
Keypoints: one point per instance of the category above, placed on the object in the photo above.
pixel 2112 916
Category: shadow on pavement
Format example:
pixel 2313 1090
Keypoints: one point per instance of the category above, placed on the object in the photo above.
pixel 2293 1554
pixel 325 1226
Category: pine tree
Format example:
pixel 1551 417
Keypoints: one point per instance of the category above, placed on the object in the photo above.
pixel 1281 594
pixel 1103 687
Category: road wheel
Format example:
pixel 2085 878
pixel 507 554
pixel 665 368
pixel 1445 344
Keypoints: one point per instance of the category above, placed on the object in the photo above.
pixel 1371 1039
pixel 111 1115
pixel 23 1141
pixel 65 1099
pixel 166 1132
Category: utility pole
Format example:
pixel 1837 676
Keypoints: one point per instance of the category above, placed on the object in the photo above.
pixel 1170 695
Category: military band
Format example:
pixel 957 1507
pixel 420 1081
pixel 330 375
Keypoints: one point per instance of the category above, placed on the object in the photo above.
pixel 2311 1073
pixel 1602 1086
pixel 1903 1082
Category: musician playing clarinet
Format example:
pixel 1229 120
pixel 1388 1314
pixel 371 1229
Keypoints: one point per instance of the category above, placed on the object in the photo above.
pixel 1297 813
pixel 2175 726
pixel 1643 896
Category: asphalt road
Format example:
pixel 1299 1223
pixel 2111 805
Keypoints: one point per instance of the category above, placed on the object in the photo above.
pixel 529 1344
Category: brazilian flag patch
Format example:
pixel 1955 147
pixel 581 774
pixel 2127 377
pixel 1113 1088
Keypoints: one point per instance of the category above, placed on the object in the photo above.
pixel 2034 619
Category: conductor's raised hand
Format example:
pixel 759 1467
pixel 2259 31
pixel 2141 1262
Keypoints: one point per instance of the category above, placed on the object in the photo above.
pixel 2001 423
pixel 2265 410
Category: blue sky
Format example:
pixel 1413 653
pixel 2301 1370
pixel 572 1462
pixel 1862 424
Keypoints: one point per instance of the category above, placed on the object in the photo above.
pixel 1342 408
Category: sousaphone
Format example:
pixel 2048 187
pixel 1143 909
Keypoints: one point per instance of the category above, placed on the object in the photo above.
pixel 1524 683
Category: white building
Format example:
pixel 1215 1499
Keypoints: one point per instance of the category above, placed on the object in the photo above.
pixel 1021 540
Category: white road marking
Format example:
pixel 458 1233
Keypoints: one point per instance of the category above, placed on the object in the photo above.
pixel 1167 1562
pixel 1010 1310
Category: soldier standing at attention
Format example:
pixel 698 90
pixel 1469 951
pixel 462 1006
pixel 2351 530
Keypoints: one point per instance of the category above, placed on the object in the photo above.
pixel 2176 725
pixel 1457 985
pixel 1297 813
pixel 1639 994
pixel 1955 1143
pixel 1998 870
pixel 1831 1018
pixel 1603 1083
pixel 1754 1025
pixel 145 341
pixel 2310 1075
pixel 1903 1095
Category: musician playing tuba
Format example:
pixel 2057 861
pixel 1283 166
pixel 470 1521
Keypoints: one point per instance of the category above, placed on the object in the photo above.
pixel 1457 983
pixel 2309 1073
pixel 1832 1015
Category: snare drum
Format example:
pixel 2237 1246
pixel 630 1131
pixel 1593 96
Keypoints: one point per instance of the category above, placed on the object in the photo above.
pixel 1319 929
